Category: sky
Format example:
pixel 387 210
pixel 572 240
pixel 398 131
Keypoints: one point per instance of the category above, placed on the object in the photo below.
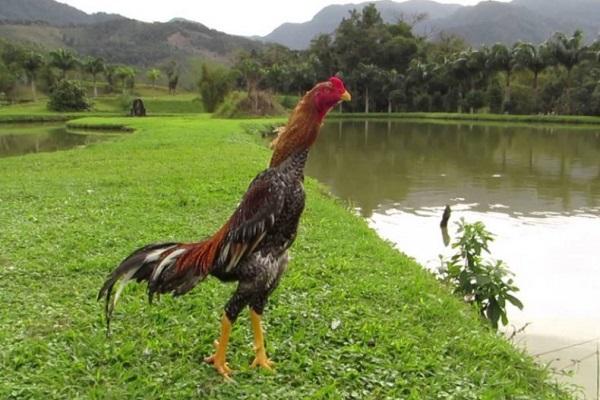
pixel 238 17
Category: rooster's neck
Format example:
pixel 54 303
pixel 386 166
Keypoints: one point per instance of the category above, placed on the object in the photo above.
pixel 293 166
pixel 299 134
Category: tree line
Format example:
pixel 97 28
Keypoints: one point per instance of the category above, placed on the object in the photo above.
pixel 391 70
pixel 19 64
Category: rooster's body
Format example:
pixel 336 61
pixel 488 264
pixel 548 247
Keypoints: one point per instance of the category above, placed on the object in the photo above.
pixel 251 248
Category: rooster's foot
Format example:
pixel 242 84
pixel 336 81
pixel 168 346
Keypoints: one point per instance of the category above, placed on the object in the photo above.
pixel 261 360
pixel 218 362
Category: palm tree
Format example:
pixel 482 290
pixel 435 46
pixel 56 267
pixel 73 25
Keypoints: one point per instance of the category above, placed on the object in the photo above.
pixel 153 75
pixel 126 75
pixel 369 75
pixel 503 59
pixel 94 66
pixel 253 73
pixel 392 82
pixel 475 63
pixel 471 66
pixel 64 60
pixel 568 52
pixel 110 76
pixel 460 72
pixel 534 58
pixel 32 63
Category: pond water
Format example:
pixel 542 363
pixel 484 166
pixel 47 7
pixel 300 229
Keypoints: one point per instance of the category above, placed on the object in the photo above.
pixel 19 139
pixel 537 188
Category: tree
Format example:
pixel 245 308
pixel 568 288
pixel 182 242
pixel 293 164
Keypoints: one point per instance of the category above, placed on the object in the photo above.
pixel 64 60
pixel 153 75
pixel 321 48
pixel 127 77
pixel 172 72
pixel 534 58
pixel 369 75
pixel 568 52
pixel 94 66
pixel 32 63
pixel 110 76
pixel 214 85
pixel 8 81
pixel 392 82
pixel 252 73
pixel 68 96
pixel 503 59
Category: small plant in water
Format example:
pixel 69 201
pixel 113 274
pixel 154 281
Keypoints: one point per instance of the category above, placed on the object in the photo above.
pixel 487 284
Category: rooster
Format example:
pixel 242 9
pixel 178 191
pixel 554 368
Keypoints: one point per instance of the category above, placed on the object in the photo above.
pixel 251 247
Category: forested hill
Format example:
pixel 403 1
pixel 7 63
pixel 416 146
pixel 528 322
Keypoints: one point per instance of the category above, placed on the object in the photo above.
pixel 116 39
pixel 486 23
pixel 49 11
pixel 299 35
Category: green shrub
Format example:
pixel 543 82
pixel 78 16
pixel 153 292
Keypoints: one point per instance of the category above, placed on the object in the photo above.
pixel 124 102
pixel 289 101
pixel 68 96
pixel 215 83
pixel 474 100
pixel 237 104
pixel 484 283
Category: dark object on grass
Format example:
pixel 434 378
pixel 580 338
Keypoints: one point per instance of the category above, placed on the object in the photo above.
pixel 445 217
pixel 137 108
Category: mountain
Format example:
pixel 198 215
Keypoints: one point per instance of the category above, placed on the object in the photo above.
pixel 584 14
pixel 485 23
pixel 491 22
pixel 133 42
pixel 49 11
pixel 299 35
pixel 50 24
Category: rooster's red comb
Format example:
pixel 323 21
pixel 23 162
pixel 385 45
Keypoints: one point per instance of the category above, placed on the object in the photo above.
pixel 337 83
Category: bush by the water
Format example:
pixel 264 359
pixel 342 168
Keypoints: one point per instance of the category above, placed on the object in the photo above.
pixel 239 104
pixel 487 284
pixel 68 96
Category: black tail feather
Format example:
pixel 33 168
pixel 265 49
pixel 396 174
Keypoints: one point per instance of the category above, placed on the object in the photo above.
pixel 140 266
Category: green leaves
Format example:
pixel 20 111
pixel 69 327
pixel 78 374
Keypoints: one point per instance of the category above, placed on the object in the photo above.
pixel 486 284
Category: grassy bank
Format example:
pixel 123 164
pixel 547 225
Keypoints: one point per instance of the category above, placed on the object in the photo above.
pixel 105 106
pixel 545 119
pixel 352 318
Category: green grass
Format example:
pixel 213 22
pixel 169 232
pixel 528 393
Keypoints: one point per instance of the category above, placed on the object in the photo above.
pixel 552 119
pixel 69 217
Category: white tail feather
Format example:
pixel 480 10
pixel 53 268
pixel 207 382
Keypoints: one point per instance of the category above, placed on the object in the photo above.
pixel 168 261
pixel 124 280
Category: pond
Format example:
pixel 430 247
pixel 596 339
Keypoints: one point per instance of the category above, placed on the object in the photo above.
pixel 537 188
pixel 19 139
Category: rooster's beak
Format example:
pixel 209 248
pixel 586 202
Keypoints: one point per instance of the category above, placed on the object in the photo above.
pixel 346 96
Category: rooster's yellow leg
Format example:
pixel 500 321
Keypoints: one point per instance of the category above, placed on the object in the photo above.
pixel 261 359
pixel 218 359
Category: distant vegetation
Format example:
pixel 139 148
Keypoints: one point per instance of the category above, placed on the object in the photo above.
pixel 388 68
pixel 44 71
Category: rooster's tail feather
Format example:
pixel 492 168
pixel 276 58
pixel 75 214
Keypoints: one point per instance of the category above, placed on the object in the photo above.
pixel 159 264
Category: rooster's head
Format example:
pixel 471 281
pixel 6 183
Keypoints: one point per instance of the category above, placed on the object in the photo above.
pixel 327 94
pixel 306 119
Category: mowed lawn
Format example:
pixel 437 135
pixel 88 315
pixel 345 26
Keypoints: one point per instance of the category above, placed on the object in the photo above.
pixel 352 319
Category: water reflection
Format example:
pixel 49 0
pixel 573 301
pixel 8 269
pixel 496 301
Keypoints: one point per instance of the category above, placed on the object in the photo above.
pixel 23 139
pixel 528 169
pixel 536 188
